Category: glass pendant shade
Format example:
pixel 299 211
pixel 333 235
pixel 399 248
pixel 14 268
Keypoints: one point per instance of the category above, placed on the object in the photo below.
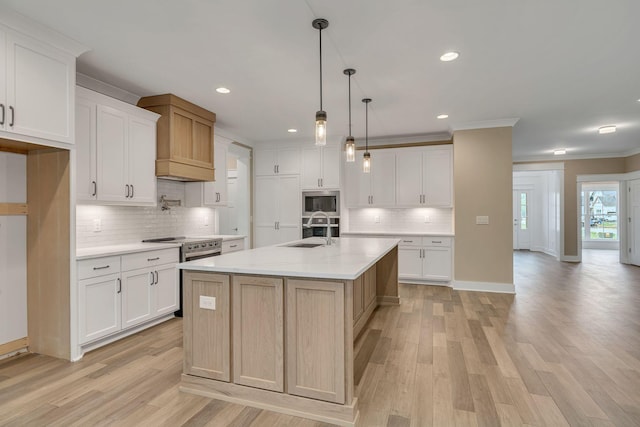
pixel 321 128
pixel 366 164
pixel 350 149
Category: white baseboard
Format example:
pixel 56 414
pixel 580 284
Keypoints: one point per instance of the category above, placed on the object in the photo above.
pixel 504 288
pixel 571 258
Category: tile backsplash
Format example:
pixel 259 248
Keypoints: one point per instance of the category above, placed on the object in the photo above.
pixel 421 220
pixel 129 224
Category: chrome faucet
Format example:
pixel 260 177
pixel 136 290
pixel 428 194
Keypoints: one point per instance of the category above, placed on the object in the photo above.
pixel 326 215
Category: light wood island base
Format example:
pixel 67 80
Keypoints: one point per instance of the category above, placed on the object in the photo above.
pixel 281 343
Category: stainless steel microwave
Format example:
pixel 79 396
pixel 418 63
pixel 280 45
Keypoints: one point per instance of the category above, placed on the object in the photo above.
pixel 326 201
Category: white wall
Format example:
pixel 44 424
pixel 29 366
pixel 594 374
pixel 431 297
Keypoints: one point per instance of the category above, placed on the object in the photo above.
pixel 13 250
pixel 398 220
pixel 129 224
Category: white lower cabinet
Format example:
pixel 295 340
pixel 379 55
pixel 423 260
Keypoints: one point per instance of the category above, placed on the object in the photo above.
pixel 119 292
pixel 425 258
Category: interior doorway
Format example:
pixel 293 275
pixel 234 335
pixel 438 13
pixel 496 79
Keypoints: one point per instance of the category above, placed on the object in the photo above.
pixel 235 218
pixel 599 207
pixel 521 223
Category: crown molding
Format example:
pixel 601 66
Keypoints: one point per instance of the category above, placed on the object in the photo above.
pixel 106 89
pixel 484 124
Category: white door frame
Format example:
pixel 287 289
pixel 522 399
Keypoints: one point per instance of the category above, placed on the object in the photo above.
pixel 518 233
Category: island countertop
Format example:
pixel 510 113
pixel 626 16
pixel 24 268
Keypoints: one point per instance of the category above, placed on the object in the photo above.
pixel 347 258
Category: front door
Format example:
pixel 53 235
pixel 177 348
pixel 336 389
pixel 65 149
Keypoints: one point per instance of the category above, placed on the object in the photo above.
pixel 521 224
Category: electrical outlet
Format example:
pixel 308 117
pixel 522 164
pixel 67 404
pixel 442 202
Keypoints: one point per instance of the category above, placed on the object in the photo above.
pixel 376 219
pixel 205 220
pixel 482 220
pixel 208 303
pixel 427 219
pixel 97 225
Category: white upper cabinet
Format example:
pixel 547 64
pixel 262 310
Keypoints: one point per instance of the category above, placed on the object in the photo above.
pixel 376 188
pixel 321 168
pixel 280 161
pixel 213 193
pixel 424 177
pixel 36 89
pixel 115 146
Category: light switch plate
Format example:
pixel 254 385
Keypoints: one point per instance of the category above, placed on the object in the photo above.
pixel 482 220
pixel 208 303
pixel 97 225
pixel 427 219
pixel 376 219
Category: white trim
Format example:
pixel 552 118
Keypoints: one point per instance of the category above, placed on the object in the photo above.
pixel 414 281
pixel 629 176
pixel 505 288
pixel 551 166
pixel 632 152
pixel 485 124
pixel 106 89
pixel 570 258
pixel 605 177
pixel 553 158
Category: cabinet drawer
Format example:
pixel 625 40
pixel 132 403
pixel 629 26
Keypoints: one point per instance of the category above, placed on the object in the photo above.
pixel 232 246
pixel 437 241
pixel 96 267
pixel 409 240
pixel 149 259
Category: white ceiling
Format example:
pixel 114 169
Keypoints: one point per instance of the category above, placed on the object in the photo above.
pixel 563 68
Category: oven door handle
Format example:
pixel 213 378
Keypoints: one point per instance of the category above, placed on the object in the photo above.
pixel 199 255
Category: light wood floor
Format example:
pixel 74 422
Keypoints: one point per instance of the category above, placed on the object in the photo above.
pixel 564 351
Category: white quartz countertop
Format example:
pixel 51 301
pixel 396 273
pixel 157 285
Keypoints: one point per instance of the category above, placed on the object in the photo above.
pixel 347 258
pixel 130 248
pixel 394 233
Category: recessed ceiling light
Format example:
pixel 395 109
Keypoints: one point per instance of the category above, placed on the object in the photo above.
pixel 222 90
pixel 449 56
pixel 560 152
pixel 606 129
pixel 442 116
pixel 292 130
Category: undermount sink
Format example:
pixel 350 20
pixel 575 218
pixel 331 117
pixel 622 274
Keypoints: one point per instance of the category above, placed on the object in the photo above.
pixel 305 245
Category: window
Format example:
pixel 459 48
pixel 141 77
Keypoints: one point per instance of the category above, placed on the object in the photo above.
pixel 523 211
pixel 599 212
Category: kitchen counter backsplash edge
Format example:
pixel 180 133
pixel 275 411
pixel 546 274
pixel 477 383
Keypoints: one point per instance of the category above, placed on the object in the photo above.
pixel 395 233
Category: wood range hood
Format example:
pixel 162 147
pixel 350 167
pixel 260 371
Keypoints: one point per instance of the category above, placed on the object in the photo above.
pixel 184 149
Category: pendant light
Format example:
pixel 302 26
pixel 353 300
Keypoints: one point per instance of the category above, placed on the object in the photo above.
pixel 366 164
pixel 350 146
pixel 321 115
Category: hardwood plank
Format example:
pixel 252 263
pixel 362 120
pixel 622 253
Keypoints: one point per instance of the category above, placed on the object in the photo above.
pixel 461 391
pixel 364 355
pixel 549 411
pixel 12 209
pixel 485 408
pixel 398 421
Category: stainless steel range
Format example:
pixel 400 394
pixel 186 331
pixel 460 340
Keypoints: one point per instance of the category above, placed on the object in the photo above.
pixel 191 249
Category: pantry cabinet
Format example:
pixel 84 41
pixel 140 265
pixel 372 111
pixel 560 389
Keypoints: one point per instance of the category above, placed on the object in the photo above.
pixel 321 168
pixel 278 209
pixel 376 188
pixel 277 161
pixel 115 151
pixel 424 177
pixel 36 89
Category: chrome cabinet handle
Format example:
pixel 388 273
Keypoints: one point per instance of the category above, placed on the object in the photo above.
pixel 127 193
pixel 156 277
pixel 436 241
pixel 233 246
pixel 152 277
pixel 119 285
pixel 278 168
pixel 274 168
pixel 407 241
pixel 13 115
pixel 95 188
pixel 153 259
pixel 101 268
pixel 132 190
pixel 2 121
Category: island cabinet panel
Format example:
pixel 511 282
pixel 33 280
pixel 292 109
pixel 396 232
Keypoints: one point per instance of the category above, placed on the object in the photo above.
pixel 315 312
pixel 258 335
pixel 358 297
pixel 207 340
pixel 369 287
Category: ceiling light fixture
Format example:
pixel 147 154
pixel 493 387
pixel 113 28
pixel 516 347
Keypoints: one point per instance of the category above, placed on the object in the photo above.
pixel 350 146
pixel 449 56
pixel 560 152
pixel 292 130
pixel 366 164
pixel 442 116
pixel 606 129
pixel 222 90
pixel 321 115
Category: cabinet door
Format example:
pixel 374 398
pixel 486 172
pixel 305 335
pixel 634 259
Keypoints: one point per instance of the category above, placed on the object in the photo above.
pixel 266 236
pixel 207 334
pixel 369 287
pixel 289 201
pixel 288 161
pixel 311 168
pixel 315 338
pixel 141 161
pixel 331 167
pixel 3 78
pixel 438 177
pixel 40 89
pixel 86 184
pixel 112 167
pixel 99 303
pixel 408 178
pixel 13 270
pixel 166 290
pixel 265 162
pixel 409 262
pixel 437 263
pixel 358 297
pixel 220 184
pixel 358 185
pixel 383 178
pixel 137 302
pixel 258 323
pixel 266 204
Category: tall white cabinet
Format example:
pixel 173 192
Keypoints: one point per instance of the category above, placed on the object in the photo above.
pixel 278 213
pixel 376 188
pixel 116 146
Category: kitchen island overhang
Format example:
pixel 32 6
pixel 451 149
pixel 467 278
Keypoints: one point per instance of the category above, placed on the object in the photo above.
pixel 274 327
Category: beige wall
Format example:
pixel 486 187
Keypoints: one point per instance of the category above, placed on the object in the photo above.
pixel 483 186
pixel 632 163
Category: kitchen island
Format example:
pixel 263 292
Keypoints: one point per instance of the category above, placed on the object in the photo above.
pixel 274 327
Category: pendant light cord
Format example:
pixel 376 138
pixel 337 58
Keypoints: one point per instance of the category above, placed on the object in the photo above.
pixel 366 128
pixel 349 104
pixel 320 68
